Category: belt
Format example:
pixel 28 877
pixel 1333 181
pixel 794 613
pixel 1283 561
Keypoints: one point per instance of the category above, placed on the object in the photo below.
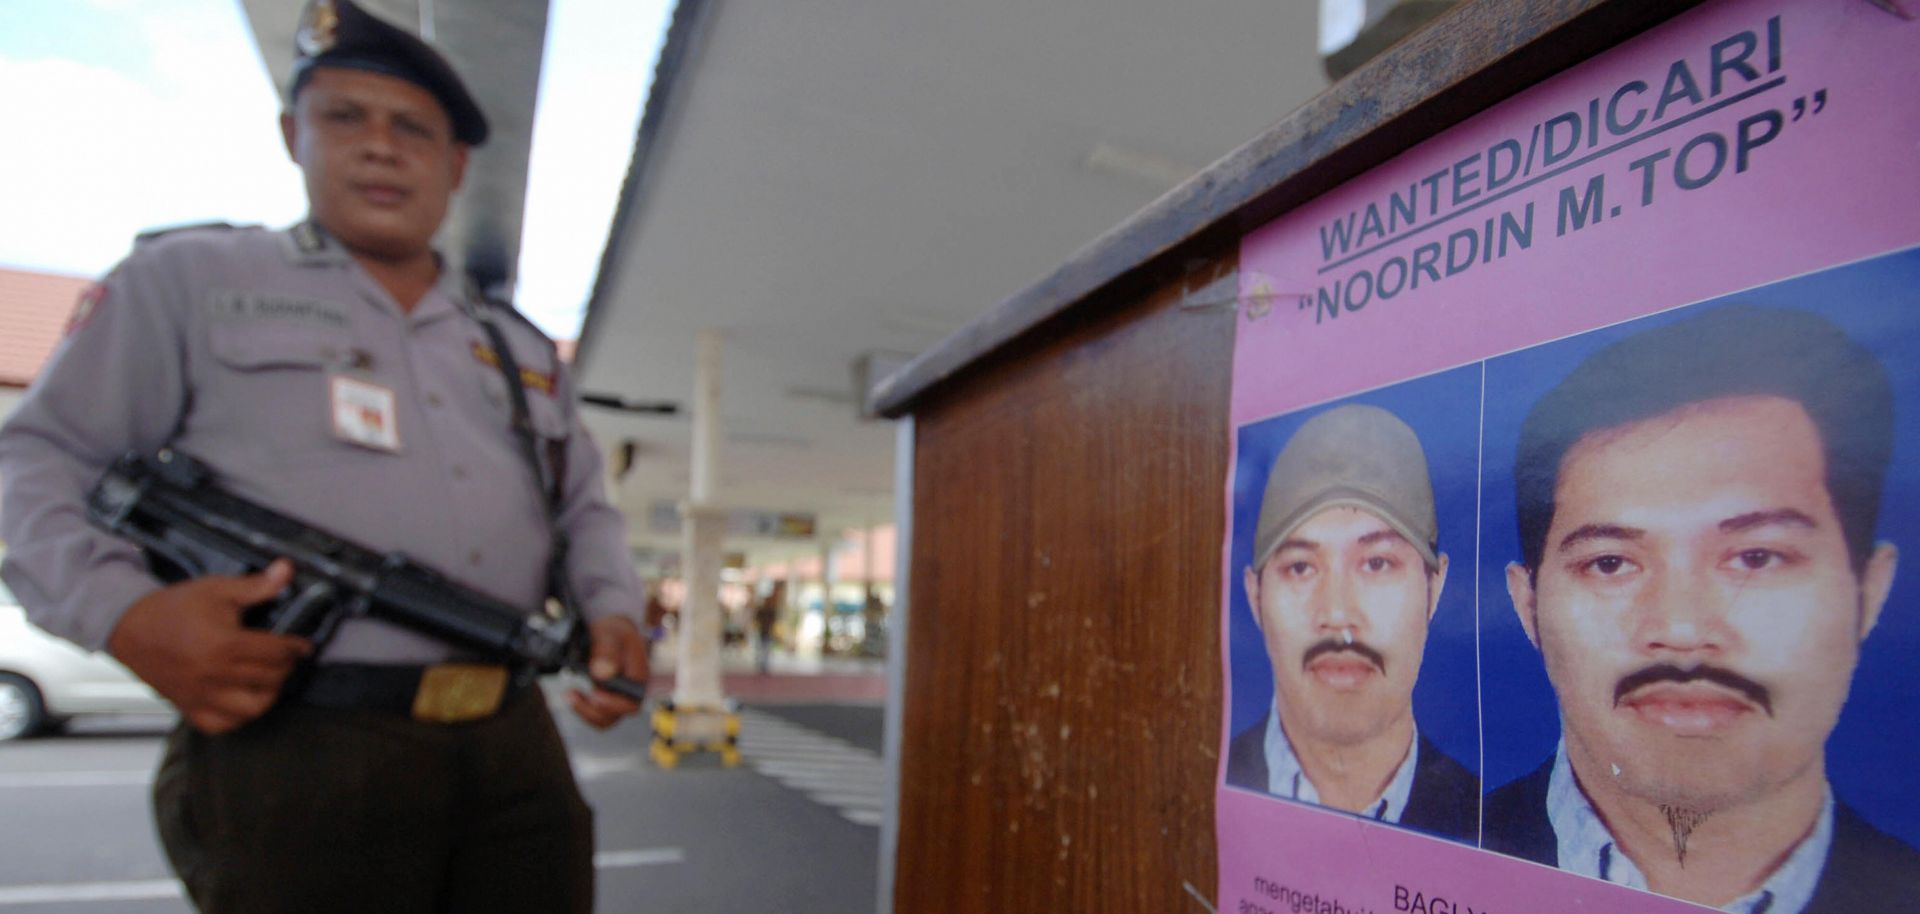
pixel 439 693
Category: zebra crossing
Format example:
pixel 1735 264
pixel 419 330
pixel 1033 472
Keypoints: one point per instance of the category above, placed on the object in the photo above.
pixel 832 772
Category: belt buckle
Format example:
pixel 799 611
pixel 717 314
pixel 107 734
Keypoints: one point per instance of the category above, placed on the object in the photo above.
pixel 452 693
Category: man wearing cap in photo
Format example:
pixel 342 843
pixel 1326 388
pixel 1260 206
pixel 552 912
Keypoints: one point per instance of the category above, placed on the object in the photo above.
pixel 1345 579
pixel 1696 507
pixel 337 373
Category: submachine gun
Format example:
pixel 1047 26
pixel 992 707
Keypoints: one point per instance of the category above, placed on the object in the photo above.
pixel 168 503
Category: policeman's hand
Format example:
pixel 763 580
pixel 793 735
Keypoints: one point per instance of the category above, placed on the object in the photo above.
pixel 618 650
pixel 187 642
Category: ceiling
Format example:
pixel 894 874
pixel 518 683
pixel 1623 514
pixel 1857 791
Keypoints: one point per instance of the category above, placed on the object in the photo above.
pixel 830 181
pixel 827 179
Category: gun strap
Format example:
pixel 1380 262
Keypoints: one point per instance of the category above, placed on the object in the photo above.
pixel 549 480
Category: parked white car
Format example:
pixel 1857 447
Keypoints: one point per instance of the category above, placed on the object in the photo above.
pixel 46 681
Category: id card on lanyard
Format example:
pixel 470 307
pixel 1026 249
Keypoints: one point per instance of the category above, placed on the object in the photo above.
pixel 365 413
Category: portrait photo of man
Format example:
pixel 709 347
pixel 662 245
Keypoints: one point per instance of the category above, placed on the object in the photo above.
pixel 1346 574
pixel 1697 506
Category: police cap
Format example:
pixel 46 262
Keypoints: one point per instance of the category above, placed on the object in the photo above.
pixel 336 33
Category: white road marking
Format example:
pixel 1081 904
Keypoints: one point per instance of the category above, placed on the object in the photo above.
pixel 147 889
pixel 652 856
pixel 828 771
pixel 90 891
pixel 593 767
pixel 848 802
pixel 791 751
pixel 821 784
pixel 837 769
pixel 34 780
pixel 843 755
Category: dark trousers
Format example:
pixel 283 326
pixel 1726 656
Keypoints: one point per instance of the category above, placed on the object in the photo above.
pixel 312 809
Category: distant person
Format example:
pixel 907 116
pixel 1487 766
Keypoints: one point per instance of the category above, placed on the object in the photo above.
pixel 765 614
pixel 1697 507
pixel 337 372
pixel 1346 576
pixel 873 629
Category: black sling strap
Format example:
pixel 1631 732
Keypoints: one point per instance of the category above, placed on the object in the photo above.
pixel 549 480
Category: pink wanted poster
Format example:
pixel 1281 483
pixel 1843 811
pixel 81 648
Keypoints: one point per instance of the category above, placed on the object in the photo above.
pixel 1574 454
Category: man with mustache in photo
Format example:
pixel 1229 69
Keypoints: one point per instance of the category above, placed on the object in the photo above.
pixel 1345 579
pixel 1696 508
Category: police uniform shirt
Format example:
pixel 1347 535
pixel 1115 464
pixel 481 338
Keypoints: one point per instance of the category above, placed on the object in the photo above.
pixel 234 346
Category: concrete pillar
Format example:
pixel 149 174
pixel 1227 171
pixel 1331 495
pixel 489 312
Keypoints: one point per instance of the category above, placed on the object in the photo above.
pixel 705 468
pixel 696 680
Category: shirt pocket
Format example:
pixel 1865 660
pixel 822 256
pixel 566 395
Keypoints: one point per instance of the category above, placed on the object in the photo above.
pixel 545 412
pixel 549 420
pixel 546 415
pixel 550 430
pixel 251 347
pixel 265 390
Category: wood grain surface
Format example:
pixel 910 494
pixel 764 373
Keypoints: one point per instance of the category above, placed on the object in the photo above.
pixel 1063 697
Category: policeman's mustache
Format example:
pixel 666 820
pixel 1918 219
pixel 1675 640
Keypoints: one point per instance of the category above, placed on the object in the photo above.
pixel 1667 672
pixel 1332 645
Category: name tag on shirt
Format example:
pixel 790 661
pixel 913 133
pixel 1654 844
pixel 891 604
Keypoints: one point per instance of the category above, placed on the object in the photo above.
pixel 365 413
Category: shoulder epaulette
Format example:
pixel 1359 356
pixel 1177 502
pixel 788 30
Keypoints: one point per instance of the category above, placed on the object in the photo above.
pixel 163 231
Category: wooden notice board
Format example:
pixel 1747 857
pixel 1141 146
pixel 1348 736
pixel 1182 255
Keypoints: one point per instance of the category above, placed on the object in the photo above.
pixel 1063 681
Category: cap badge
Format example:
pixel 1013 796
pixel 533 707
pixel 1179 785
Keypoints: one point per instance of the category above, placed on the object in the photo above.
pixel 317 28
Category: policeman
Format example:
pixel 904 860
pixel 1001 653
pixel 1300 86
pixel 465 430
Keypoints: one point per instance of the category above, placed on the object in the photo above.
pixel 336 373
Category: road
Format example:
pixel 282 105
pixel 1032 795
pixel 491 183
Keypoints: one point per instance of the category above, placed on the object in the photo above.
pixel 789 832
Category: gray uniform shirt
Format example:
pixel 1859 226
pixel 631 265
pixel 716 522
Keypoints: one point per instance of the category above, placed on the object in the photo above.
pixel 225 344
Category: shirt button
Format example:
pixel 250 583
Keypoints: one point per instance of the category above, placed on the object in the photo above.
pixel 433 400
pixel 473 558
pixel 459 472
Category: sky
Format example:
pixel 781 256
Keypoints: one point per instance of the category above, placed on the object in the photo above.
pixel 125 115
